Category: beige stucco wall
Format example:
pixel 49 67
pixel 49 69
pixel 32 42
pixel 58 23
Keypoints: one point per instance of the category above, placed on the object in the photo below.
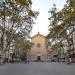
pixel 39 51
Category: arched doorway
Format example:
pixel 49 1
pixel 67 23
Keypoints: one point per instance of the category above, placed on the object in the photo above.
pixel 38 58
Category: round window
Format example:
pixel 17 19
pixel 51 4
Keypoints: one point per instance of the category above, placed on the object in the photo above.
pixel 38 45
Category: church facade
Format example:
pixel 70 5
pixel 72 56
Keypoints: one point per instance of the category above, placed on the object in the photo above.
pixel 39 48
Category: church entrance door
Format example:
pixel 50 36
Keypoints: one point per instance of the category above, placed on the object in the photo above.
pixel 38 58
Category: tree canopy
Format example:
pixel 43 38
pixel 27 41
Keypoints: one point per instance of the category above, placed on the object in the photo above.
pixel 61 23
pixel 17 19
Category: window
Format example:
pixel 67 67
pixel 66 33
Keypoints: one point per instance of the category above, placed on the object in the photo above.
pixel 33 44
pixel 38 45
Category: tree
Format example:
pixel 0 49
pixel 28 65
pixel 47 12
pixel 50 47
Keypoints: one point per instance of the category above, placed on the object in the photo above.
pixel 54 26
pixel 58 32
pixel 16 18
pixel 22 46
pixel 61 28
pixel 1 40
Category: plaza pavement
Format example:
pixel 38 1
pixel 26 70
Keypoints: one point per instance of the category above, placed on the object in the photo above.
pixel 37 68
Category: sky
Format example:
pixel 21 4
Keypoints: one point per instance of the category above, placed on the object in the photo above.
pixel 42 22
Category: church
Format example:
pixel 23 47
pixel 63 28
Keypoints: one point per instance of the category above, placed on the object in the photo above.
pixel 39 51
